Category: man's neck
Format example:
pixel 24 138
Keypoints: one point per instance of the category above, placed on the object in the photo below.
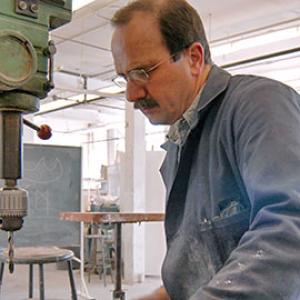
pixel 203 77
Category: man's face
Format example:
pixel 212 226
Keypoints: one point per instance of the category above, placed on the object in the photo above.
pixel 170 88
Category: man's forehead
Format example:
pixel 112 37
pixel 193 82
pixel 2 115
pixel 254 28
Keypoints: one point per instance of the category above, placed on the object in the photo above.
pixel 137 39
pixel 135 58
pixel 142 28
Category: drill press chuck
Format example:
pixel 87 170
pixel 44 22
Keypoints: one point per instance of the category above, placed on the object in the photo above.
pixel 13 207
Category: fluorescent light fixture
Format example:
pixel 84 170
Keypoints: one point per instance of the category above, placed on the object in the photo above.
pixel 114 89
pixel 80 3
pixel 54 105
pixel 235 45
pixel 60 103
pixel 83 97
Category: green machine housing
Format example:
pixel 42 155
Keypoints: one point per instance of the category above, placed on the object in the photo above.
pixel 26 76
pixel 26 55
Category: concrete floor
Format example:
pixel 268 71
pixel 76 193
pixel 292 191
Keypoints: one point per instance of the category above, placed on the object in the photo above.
pixel 57 287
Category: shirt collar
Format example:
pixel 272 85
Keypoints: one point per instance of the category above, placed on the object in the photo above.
pixel 181 127
pixel 217 82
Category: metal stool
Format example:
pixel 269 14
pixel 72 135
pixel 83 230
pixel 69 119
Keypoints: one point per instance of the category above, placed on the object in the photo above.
pixel 40 256
pixel 104 264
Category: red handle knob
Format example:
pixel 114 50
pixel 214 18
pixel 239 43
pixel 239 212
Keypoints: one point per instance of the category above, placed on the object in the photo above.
pixel 45 132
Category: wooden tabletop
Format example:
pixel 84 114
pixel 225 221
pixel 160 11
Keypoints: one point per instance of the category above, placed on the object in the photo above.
pixel 111 217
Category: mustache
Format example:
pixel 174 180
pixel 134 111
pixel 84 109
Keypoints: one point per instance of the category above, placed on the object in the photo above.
pixel 145 103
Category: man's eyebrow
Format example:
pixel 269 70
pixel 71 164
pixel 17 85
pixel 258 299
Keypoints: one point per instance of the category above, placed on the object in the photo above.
pixel 144 66
pixel 138 67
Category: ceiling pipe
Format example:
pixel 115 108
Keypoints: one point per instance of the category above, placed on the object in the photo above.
pixel 260 58
pixel 41 113
pixel 62 40
pixel 93 92
pixel 86 75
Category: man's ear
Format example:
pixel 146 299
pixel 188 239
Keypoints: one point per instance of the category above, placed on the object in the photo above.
pixel 196 58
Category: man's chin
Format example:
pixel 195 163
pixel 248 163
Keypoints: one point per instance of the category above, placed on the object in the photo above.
pixel 154 116
pixel 156 121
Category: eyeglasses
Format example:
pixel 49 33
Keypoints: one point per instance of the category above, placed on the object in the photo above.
pixel 140 76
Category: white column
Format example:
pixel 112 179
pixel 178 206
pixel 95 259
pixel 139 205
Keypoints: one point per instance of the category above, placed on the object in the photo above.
pixel 111 146
pixel 132 198
pixel 113 169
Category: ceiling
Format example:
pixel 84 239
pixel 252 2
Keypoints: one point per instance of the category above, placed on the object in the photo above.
pixel 84 66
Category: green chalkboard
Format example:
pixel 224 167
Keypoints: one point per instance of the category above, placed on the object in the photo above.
pixel 52 177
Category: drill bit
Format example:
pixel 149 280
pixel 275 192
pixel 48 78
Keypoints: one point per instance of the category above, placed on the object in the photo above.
pixel 10 251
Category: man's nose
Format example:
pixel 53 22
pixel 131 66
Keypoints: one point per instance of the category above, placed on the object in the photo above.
pixel 135 92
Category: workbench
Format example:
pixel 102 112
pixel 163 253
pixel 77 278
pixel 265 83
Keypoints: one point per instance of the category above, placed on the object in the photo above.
pixel 117 219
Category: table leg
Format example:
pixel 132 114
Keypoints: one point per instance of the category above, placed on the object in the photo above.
pixel 42 286
pixel 1 275
pixel 30 281
pixel 72 282
pixel 118 294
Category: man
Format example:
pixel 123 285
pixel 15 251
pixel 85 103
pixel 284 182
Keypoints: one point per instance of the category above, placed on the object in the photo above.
pixel 232 167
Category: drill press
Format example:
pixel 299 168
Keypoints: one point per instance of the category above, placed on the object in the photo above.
pixel 26 76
